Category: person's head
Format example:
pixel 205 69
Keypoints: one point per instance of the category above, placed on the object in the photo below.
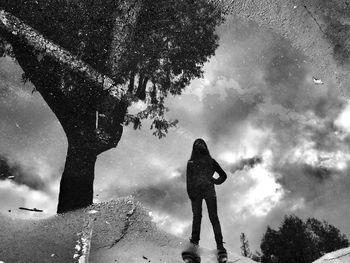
pixel 200 149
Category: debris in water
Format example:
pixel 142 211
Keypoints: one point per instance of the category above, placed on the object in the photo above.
pixel 146 258
pixel 31 209
pixel 92 212
pixel 317 81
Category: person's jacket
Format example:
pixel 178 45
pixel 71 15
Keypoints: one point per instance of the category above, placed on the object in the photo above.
pixel 199 176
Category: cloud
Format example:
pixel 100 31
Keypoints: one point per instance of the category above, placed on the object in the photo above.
pixel 13 196
pixel 170 224
pixel 21 175
pixel 169 204
pixel 257 108
pixel 258 96
pixel 319 173
pixel 246 163
pixel 168 196
pixel 342 121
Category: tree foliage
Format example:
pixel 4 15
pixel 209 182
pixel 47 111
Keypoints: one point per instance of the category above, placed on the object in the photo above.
pixel 148 49
pixel 245 250
pixel 326 237
pixel 154 48
pixel 300 242
pixel 173 40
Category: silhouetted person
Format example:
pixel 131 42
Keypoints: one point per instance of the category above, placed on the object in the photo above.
pixel 200 185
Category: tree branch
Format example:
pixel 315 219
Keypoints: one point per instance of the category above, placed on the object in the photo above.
pixel 131 82
pixel 122 35
pixel 40 44
pixel 141 90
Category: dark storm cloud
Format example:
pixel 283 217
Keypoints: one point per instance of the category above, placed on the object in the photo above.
pixel 246 163
pixel 319 173
pixel 284 65
pixel 267 70
pixel 285 75
pixel 234 64
pixel 228 114
pixel 168 196
pixel 306 181
pixel 10 170
pixel 328 106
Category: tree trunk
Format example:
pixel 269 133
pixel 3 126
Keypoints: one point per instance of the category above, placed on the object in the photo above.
pixel 75 91
pixel 76 187
pixel 85 142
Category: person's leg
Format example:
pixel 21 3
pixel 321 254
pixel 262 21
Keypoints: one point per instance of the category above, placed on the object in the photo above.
pixel 197 218
pixel 210 199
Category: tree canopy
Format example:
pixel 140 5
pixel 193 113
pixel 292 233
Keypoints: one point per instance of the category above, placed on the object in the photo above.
pixel 155 48
pixel 297 241
pixel 173 40
pixel 144 50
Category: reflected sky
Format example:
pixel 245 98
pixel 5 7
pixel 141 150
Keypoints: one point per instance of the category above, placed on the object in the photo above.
pixel 257 101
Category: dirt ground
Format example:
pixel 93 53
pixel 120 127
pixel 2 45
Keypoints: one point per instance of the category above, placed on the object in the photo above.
pixel 122 231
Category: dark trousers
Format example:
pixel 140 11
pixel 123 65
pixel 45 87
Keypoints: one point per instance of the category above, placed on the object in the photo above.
pixel 210 199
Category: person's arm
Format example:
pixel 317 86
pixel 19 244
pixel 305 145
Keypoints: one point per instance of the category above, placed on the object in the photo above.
pixel 221 173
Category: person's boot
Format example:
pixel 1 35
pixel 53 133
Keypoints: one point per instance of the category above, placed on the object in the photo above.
pixel 222 252
pixel 193 242
pixel 189 257
pixel 191 254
